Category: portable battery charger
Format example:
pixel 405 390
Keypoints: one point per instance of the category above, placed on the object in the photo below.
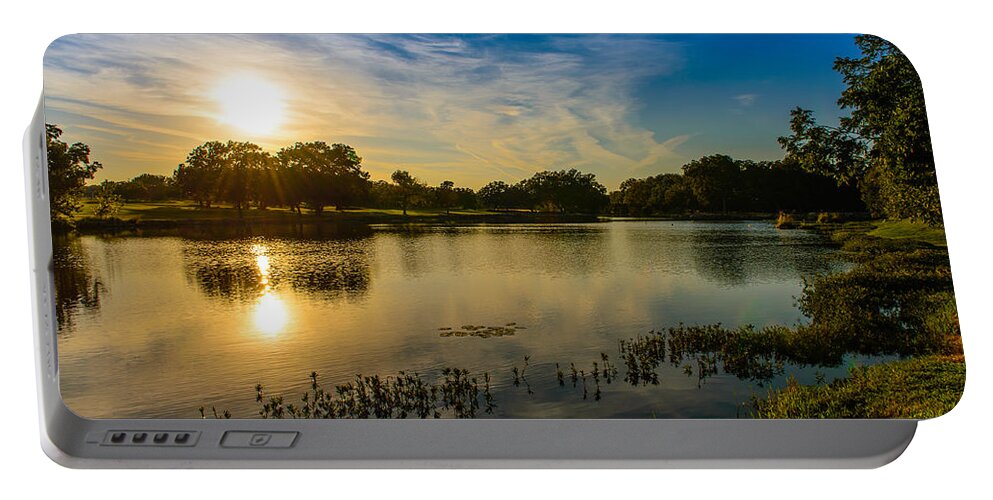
pixel 486 251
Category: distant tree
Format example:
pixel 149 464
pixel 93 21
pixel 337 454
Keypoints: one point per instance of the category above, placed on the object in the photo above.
pixel 268 185
pixel 494 195
pixel 325 174
pixel 884 146
pixel 656 195
pixel 69 167
pixel 108 202
pixel 677 194
pixel 445 196
pixel 408 187
pixel 466 198
pixel 199 177
pixel 566 191
pixel 286 180
pixel 244 163
pixel 382 194
pixel 147 187
pixel 634 196
pixel 714 180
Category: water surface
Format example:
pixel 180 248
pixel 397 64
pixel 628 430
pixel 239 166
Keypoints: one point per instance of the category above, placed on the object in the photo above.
pixel 155 325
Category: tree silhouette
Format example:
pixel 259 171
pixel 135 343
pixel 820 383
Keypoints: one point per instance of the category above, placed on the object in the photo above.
pixel 408 187
pixel 69 167
pixel 325 174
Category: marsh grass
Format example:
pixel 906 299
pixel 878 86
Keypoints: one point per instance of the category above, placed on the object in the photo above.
pixel 458 394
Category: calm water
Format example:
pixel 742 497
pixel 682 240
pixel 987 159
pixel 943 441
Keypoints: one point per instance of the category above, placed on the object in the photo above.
pixel 157 325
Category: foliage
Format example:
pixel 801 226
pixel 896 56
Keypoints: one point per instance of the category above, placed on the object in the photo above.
pixel 323 174
pixel 712 179
pixel 408 188
pixel 241 173
pixel 720 183
pixel 897 299
pixel 445 196
pixel 924 387
pixel 108 202
pixel 565 191
pixel 884 145
pixel 143 187
pixel 502 196
pixel 199 177
pixel 69 167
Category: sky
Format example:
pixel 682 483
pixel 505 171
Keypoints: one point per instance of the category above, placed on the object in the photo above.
pixel 466 108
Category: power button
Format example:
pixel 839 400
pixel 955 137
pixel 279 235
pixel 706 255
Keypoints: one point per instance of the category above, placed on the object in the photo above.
pixel 260 439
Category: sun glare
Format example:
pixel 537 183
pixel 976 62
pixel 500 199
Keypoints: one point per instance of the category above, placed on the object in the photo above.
pixel 270 316
pixel 250 103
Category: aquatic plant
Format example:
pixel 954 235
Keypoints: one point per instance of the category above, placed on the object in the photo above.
pixel 520 377
pixel 481 331
pixel 224 414
pixel 457 394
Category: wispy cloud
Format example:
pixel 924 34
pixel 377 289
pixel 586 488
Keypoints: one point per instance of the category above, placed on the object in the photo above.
pixel 472 108
pixel 746 100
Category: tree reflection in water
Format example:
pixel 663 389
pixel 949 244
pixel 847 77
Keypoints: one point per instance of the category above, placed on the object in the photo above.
pixel 76 287
pixel 310 258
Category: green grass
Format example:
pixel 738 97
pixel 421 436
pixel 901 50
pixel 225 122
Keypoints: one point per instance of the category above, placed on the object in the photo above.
pixel 189 211
pixel 907 230
pixel 924 387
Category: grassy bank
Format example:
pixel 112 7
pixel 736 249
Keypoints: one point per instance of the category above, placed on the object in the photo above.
pixel 909 231
pixel 924 387
pixel 899 299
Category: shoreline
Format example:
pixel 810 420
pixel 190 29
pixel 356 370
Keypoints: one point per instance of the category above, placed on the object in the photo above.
pixel 172 215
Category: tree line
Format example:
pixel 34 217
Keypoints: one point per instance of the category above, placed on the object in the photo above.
pixel 719 183
pixel 878 158
pixel 316 175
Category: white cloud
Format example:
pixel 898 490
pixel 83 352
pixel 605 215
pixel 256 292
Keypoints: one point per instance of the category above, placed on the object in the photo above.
pixel 473 109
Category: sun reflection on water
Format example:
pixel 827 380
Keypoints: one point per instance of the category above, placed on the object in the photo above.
pixel 270 315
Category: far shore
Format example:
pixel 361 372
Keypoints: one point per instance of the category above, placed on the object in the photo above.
pixel 175 214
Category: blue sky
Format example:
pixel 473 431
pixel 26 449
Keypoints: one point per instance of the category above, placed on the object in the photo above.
pixel 470 108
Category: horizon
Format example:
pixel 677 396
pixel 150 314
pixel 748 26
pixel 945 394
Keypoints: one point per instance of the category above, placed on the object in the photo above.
pixel 466 108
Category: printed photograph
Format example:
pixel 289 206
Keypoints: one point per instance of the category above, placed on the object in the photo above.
pixel 496 226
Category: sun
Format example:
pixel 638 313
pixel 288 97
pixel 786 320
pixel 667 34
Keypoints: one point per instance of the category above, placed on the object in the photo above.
pixel 250 103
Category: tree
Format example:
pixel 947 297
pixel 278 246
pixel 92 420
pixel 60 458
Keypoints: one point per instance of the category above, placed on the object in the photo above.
pixel 465 198
pixel 494 195
pixel 244 164
pixel 69 167
pixel 445 196
pixel 565 191
pixel 325 174
pixel 714 180
pixel 408 187
pixel 199 177
pixel 147 187
pixel 108 202
pixel 382 194
pixel 884 145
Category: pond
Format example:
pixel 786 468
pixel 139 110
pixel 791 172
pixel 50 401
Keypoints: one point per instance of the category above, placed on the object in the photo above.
pixel 159 323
